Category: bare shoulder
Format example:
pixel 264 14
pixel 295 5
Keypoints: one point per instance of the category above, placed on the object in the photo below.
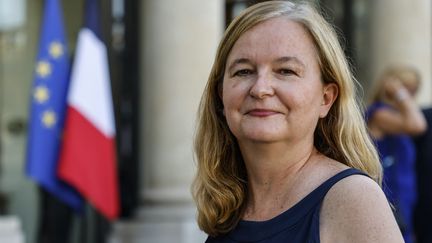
pixel 356 210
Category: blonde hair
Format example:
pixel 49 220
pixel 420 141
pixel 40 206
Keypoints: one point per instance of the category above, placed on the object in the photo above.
pixel 220 186
pixel 409 77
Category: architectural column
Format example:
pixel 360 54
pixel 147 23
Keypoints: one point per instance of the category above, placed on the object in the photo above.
pixel 179 40
pixel 401 34
pixel 178 45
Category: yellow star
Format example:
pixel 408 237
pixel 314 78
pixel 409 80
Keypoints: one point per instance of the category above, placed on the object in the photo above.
pixel 56 49
pixel 41 94
pixel 49 118
pixel 43 69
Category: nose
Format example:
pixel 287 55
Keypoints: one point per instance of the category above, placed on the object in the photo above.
pixel 262 87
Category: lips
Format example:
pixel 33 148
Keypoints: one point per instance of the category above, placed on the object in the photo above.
pixel 261 112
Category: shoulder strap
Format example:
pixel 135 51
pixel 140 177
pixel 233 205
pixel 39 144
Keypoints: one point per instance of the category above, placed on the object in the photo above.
pixel 318 195
pixel 322 190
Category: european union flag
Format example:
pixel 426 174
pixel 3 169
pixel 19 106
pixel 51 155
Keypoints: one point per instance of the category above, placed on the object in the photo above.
pixel 48 107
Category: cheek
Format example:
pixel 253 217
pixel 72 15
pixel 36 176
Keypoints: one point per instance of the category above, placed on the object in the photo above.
pixel 296 95
pixel 232 106
pixel 302 99
pixel 227 98
pixel 233 95
pixel 231 114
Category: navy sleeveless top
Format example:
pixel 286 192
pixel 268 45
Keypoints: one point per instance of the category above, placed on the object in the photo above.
pixel 299 224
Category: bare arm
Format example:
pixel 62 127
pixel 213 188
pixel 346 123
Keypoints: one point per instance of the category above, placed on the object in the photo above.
pixel 356 210
pixel 407 117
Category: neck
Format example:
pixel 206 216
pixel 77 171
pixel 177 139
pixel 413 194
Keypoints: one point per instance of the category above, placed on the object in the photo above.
pixel 266 161
pixel 273 170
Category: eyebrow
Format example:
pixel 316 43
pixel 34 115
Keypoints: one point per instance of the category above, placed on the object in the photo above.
pixel 239 61
pixel 290 59
pixel 279 60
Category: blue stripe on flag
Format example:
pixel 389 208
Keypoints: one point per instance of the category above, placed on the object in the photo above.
pixel 92 18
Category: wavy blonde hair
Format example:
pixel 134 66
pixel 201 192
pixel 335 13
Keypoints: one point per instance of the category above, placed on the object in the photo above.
pixel 220 185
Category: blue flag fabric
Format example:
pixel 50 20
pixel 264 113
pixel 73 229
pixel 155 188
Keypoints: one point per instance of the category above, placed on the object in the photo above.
pixel 92 18
pixel 48 107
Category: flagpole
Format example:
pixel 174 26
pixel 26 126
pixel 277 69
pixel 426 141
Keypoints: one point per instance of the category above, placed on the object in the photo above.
pixel 86 225
pixel 94 227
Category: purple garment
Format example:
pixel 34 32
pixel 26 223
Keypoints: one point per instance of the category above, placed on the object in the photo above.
pixel 397 154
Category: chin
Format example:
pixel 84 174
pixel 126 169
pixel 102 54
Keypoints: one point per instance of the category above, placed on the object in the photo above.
pixel 261 137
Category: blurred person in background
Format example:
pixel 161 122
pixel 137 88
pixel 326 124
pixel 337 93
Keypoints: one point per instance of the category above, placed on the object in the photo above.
pixel 393 117
pixel 281 146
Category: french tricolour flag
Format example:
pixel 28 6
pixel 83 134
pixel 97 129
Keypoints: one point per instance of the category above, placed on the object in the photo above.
pixel 88 154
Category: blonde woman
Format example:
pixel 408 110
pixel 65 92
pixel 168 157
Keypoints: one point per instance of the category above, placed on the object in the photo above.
pixel 393 117
pixel 282 149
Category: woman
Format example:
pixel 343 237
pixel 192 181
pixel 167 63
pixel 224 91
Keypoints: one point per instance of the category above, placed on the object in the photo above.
pixel 393 117
pixel 278 130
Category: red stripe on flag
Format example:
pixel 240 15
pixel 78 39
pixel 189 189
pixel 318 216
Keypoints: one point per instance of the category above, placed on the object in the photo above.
pixel 88 162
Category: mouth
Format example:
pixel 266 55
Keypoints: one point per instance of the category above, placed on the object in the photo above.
pixel 261 112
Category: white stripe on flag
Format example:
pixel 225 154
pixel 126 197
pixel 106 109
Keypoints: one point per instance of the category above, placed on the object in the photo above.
pixel 90 88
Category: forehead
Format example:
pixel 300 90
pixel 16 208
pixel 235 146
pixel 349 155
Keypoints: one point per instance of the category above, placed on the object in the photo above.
pixel 278 36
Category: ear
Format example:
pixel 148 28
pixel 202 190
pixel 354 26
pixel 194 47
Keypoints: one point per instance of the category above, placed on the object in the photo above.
pixel 330 93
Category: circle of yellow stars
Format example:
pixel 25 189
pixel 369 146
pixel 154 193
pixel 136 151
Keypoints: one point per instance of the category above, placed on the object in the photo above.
pixel 56 49
pixel 41 93
pixel 49 118
pixel 43 69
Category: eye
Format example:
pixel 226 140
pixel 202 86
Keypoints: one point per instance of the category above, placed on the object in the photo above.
pixel 286 72
pixel 243 72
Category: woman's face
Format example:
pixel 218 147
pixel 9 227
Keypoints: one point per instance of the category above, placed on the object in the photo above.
pixel 272 89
